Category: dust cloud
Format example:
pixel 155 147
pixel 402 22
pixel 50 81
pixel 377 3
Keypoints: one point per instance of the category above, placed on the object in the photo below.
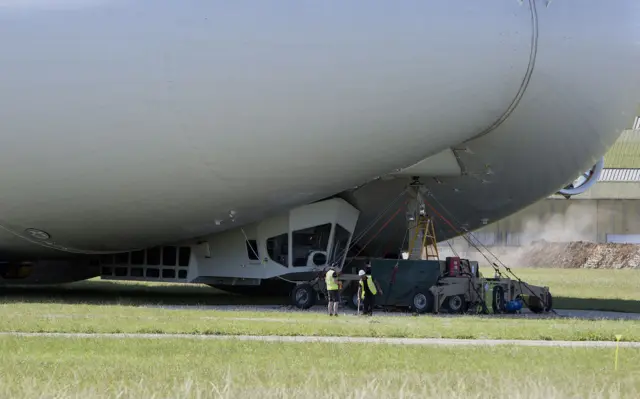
pixel 577 223
pixel 562 240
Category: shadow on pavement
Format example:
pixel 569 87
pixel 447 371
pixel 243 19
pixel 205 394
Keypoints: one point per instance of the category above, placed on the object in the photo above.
pixel 611 305
pixel 133 294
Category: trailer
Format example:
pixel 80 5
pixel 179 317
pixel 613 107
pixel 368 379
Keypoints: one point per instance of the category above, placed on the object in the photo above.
pixel 470 294
pixel 423 282
pixel 452 285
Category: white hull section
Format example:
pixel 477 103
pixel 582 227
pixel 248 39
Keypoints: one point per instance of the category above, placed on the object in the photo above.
pixel 127 127
pixel 145 124
pixel 302 240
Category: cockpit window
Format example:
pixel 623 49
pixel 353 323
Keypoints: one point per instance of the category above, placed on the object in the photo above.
pixel 308 240
pixel 278 249
pixel 340 241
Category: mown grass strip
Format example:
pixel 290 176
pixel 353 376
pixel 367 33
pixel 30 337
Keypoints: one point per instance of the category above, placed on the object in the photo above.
pixel 95 368
pixel 129 319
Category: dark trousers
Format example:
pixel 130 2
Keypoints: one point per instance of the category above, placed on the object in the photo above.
pixel 367 304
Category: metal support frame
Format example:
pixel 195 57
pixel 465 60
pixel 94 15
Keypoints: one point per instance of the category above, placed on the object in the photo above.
pixel 424 235
pixel 536 296
pixel 472 288
pixel 469 285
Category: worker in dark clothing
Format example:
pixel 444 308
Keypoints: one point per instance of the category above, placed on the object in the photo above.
pixel 367 292
pixel 368 272
pixel 367 268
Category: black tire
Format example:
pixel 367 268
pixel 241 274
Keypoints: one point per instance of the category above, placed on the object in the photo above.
pixel 535 305
pixel 303 296
pixel 498 305
pixel 352 298
pixel 549 302
pixel 455 304
pixel 422 302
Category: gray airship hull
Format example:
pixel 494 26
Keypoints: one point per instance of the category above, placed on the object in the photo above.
pixel 126 125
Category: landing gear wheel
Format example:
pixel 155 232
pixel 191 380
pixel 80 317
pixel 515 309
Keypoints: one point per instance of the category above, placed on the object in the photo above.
pixel 303 296
pixel 422 302
pixel 456 304
pixel 498 305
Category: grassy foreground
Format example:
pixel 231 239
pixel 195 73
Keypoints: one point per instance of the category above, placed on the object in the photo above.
pixel 108 307
pixel 580 289
pixel 128 319
pixel 93 368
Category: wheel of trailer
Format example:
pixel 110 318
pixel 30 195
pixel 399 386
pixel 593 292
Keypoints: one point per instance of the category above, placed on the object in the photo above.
pixel 422 302
pixel 303 296
pixel 352 299
pixel 455 304
pixel 535 304
pixel 350 296
pixel 549 303
pixel 498 304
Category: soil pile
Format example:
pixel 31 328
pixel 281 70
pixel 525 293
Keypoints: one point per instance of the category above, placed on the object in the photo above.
pixel 580 254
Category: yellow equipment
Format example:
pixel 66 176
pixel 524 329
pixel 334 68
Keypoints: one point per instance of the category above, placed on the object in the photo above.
pixel 423 244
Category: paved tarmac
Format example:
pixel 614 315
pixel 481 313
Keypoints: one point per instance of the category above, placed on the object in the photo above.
pixel 564 313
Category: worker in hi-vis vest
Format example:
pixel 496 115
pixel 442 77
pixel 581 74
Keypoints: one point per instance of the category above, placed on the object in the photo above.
pixel 367 291
pixel 332 292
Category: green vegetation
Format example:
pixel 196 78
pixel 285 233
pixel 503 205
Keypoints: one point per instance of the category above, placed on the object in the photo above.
pixel 103 306
pixel 94 368
pixel 109 319
pixel 589 289
pixel 624 152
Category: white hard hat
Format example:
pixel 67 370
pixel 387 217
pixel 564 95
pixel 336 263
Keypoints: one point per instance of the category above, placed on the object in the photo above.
pixel 361 273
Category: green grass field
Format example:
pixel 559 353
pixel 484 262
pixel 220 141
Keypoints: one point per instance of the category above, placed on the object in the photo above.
pixel 147 368
pixel 115 319
pixel 138 368
pixel 614 290
pixel 99 306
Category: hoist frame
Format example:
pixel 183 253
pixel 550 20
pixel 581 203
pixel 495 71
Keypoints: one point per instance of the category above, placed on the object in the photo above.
pixel 425 224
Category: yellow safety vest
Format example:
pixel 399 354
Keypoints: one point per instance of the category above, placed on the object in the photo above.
pixel 370 284
pixel 332 285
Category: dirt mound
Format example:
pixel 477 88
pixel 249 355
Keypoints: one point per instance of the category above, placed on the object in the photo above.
pixel 580 254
